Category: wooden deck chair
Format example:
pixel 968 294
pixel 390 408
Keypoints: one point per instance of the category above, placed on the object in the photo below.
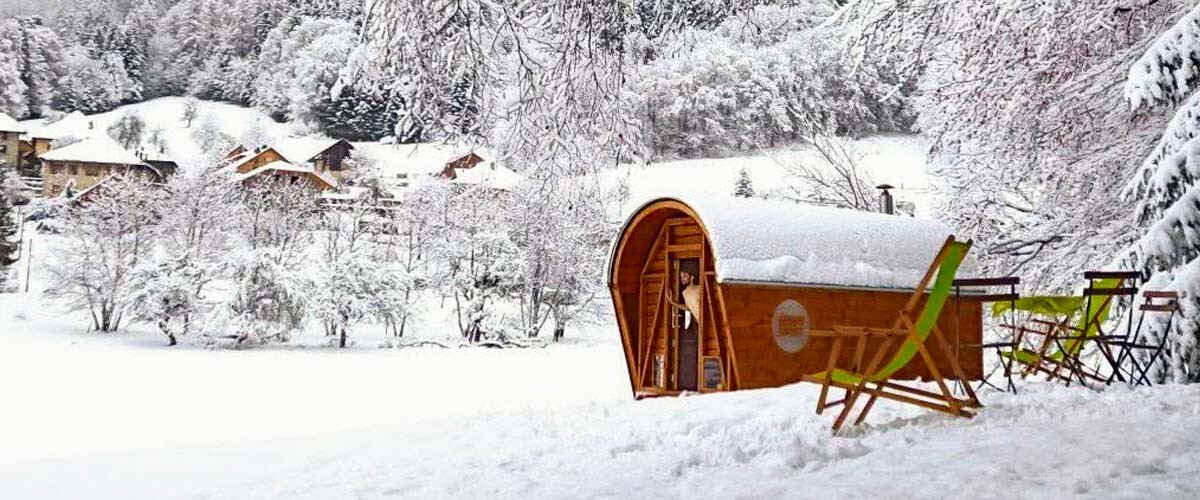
pixel 1059 354
pixel 913 329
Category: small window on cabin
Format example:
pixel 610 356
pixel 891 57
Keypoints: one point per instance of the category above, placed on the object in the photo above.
pixel 91 170
pixel 3 147
pixel 73 169
pixel 55 170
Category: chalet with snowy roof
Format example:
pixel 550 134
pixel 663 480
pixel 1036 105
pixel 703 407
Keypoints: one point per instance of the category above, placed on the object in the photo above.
pixel 459 164
pixel 86 163
pixel 265 163
pixel 325 156
pixel 10 141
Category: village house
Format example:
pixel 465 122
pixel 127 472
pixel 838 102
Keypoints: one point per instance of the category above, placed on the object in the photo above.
pixel 266 163
pixel 461 163
pixel 10 141
pixel 39 140
pixel 81 165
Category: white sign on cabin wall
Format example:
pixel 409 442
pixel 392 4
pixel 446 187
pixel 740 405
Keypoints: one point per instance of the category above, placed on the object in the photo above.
pixel 790 325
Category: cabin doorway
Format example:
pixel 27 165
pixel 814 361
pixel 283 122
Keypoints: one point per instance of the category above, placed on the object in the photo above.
pixel 687 322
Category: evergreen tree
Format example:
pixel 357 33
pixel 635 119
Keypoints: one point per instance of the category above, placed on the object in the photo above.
pixel 742 187
pixel 1166 189
pixel 9 246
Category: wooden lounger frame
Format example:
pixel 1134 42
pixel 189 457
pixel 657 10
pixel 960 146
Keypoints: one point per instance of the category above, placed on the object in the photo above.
pixel 904 330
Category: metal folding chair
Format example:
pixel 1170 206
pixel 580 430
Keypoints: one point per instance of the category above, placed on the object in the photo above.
pixel 1006 363
pixel 1155 302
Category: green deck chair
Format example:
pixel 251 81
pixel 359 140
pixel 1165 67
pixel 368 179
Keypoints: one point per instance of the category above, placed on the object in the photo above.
pixel 1064 362
pixel 913 336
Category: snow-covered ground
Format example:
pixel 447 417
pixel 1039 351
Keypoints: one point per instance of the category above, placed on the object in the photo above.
pixel 122 417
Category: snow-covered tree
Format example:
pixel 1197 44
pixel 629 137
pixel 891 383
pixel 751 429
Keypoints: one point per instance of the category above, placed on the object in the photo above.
pixel 191 108
pixel 103 240
pixel 481 263
pixel 830 173
pixel 1028 128
pixel 415 230
pixel 38 54
pixel 268 260
pixel 199 215
pixel 211 138
pixel 9 245
pixel 89 85
pixel 560 230
pixel 743 187
pixel 352 283
pixel 128 130
pixel 1166 188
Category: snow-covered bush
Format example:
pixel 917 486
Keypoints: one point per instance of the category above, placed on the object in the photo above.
pixel 268 260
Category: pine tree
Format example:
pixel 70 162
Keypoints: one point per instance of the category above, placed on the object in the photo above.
pixel 9 246
pixel 1166 189
pixel 742 187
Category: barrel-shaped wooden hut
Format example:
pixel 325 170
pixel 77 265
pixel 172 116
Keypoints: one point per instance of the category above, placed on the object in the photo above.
pixel 721 294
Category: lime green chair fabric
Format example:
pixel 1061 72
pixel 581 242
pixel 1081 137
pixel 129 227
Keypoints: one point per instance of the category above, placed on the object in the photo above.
pixel 1048 305
pixel 938 295
pixel 1098 310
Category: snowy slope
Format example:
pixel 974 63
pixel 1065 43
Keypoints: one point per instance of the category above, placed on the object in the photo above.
pixel 898 160
pixel 166 114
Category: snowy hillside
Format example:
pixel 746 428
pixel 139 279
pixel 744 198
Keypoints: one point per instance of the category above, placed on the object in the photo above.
pixel 164 118
pixel 899 160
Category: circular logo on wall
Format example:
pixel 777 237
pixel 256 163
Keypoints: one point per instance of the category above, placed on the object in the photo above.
pixel 790 325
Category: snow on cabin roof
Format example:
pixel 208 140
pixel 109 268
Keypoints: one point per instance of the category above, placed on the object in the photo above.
pixel 765 241
pixel 75 124
pixel 100 149
pixel 284 166
pixel 300 150
pixel 8 124
pixel 487 174
pixel 421 158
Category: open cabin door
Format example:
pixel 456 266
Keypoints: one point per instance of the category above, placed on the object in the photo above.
pixel 680 349
pixel 685 324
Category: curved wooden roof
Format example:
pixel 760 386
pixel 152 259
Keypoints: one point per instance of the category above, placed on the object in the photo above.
pixel 777 242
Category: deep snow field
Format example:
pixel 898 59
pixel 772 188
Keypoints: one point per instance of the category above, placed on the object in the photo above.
pixel 120 416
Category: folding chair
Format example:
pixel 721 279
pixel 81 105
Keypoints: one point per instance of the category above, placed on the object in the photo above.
pixel 1139 372
pixel 1009 297
pixel 912 329
pixel 1066 363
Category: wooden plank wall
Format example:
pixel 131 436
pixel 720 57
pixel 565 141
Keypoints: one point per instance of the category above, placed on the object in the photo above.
pixel 762 363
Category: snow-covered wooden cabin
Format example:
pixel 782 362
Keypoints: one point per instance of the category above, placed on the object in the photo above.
pixel 765 274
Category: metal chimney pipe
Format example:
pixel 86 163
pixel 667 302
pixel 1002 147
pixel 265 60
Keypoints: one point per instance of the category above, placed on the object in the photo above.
pixel 887 204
